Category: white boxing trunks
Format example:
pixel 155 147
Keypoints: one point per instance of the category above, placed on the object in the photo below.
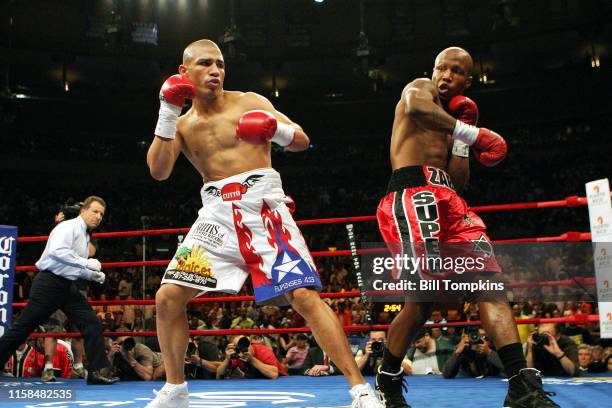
pixel 244 227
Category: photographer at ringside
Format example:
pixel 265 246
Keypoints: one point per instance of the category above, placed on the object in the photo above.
pixel 134 361
pixel 473 357
pixel 202 359
pixel 552 353
pixel 370 358
pixel 244 359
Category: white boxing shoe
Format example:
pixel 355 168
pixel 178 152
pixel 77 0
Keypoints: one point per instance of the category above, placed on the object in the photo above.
pixel 364 397
pixel 171 396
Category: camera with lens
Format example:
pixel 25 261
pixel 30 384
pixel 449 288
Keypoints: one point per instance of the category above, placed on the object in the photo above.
pixel 474 336
pixel 241 347
pixel 120 365
pixel 71 211
pixel 128 344
pixel 540 339
pixel 377 347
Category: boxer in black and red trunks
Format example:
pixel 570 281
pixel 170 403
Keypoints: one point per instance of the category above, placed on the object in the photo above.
pixel 422 211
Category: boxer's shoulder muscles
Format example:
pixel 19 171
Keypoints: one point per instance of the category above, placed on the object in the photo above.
pixel 422 103
pixel 423 87
pixel 252 100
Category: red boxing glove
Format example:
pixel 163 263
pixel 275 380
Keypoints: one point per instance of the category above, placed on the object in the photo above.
pixel 463 108
pixel 176 89
pixel 172 97
pixel 256 127
pixel 489 148
pixel 261 127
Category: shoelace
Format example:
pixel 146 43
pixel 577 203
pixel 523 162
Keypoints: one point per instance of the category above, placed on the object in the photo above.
pixel 162 392
pixel 540 391
pixel 542 396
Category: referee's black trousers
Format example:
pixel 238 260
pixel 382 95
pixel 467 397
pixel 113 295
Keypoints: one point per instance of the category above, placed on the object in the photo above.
pixel 50 292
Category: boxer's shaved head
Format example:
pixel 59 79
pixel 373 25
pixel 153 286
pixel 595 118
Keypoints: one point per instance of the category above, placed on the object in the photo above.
pixel 457 54
pixel 452 72
pixel 190 51
pixel 204 66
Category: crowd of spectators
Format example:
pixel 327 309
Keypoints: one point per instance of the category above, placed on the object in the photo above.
pixel 335 177
pixel 443 350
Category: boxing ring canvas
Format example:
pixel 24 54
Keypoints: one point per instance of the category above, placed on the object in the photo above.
pixel 318 392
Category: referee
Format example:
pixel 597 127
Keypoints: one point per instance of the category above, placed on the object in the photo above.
pixel 63 261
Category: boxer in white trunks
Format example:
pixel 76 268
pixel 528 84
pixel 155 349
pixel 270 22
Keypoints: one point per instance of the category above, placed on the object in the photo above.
pixel 245 224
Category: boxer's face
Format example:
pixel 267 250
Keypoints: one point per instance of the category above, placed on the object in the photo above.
pixel 451 74
pixel 206 70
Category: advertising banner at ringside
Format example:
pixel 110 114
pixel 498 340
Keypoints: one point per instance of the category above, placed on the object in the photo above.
pixel 8 248
pixel 600 217
pixel 541 272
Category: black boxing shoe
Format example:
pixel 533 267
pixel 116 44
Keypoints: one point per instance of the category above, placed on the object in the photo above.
pixel 94 378
pixel 525 391
pixel 390 388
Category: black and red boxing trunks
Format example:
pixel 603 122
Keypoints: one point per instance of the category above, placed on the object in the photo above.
pixel 422 216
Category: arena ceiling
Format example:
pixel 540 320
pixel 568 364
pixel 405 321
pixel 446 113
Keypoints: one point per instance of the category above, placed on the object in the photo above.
pixel 293 47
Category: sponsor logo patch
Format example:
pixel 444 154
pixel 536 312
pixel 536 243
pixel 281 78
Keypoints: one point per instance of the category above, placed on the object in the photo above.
pixel 233 191
pixel 192 265
pixel 291 271
pixel 212 235
pixel 482 245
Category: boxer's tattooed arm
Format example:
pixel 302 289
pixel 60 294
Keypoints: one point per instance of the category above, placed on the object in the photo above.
pixel 422 105
pixel 433 118
pixel 435 115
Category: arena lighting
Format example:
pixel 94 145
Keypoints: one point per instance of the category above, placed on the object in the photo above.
pixel 484 75
pixel 595 62
pixel 319 1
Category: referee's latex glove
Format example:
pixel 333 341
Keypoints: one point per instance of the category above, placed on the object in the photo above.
pixel 97 276
pixel 93 264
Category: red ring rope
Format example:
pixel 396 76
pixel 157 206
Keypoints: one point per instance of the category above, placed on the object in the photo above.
pixel 570 236
pixel 579 319
pixel 579 280
pixel 571 202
